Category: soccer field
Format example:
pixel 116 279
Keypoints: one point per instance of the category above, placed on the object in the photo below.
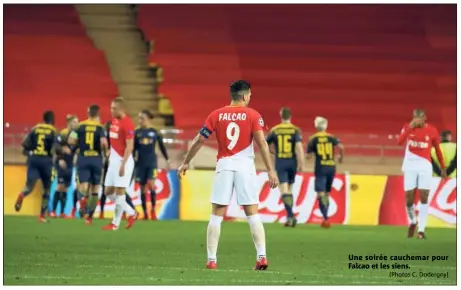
pixel 174 252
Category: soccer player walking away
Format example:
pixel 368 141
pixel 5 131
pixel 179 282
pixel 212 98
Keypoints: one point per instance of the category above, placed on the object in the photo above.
pixel 102 201
pixel 419 137
pixel 146 137
pixel 236 126
pixel 64 165
pixel 322 145
pixel 91 140
pixel 121 164
pixel 40 145
pixel 289 159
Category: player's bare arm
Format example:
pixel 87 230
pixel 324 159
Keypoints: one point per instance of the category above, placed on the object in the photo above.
pixel 197 143
pixel 299 155
pixel 310 151
pixel 438 151
pixel 258 137
pixel 126 156
pixel 162 147
pixel 341 153
pixel 416 122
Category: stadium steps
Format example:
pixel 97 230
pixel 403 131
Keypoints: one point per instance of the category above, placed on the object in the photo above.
pixel 113 30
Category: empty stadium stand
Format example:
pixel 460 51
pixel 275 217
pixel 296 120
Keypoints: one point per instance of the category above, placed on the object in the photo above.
pixel 113 29
pixel 365 67
pixel 50 63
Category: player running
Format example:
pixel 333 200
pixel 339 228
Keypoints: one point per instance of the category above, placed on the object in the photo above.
pixel 322 145
pixel 146 137
pixel 91 141
pixel 236 127
pixel 289 159
pixel 102 201
pixel 121 164
pixel 419 138
pixel 64 165
pixel 40 144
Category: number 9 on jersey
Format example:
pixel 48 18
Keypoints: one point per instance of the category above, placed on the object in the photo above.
pixel 232 133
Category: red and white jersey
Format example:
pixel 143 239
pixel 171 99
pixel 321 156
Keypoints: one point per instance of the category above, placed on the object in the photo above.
pixel 419 142
pixel 120 131
pixel 234 127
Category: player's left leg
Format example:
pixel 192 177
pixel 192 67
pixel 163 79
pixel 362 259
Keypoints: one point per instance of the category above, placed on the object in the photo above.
pixel 141 178
pixel 95 181
pixel 221 194
pixel 60 196
pixel 128 198
pixel 248 197
pixel 287 197
pixel 320 187
pixel 121 184
pixel 330 177
pixel 33 175
pixel 153 194
pixel 410 181
pixel 47 176
pixel 84 176
pixel 424 185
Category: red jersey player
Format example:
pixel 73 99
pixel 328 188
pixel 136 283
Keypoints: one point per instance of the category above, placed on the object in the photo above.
pixel 235 126
pixel 419 138
pixel 121 164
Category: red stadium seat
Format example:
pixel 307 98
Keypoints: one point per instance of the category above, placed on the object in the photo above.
pixel 365 67
pixel 50 63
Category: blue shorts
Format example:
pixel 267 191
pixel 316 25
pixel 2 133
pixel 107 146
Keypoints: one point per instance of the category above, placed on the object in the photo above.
pixel 286 170
pixel 40 167
pixel 89 170
pixel 144 173
pixel 324 179
pixel 64 175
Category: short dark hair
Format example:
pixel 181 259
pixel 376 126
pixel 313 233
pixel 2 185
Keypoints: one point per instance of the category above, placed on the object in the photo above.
pixel 48 117
pixel 419 113
pixel 148 114
pixel 238 88
pixel 445 133
pixel 93 111
pixel 285 113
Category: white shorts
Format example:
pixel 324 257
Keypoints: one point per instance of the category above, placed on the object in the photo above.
pixel 112 174
pixel 413 179
pixel 226 181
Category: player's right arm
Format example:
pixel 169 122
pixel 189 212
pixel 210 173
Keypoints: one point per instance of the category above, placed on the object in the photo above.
pixel 73 137
pixel 407 129
pixel 438 152
pixel 258 136
pixel 27 141
pixel 197 143
pixel 340 148
pixel 270 139
pixel 299 151
pixel 103 140
pixel 310 148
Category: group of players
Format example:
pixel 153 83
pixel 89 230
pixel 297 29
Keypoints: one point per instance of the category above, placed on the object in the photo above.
pixel 92 147
pixel 236 128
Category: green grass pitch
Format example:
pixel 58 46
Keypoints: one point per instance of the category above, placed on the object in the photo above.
pixel 174 252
